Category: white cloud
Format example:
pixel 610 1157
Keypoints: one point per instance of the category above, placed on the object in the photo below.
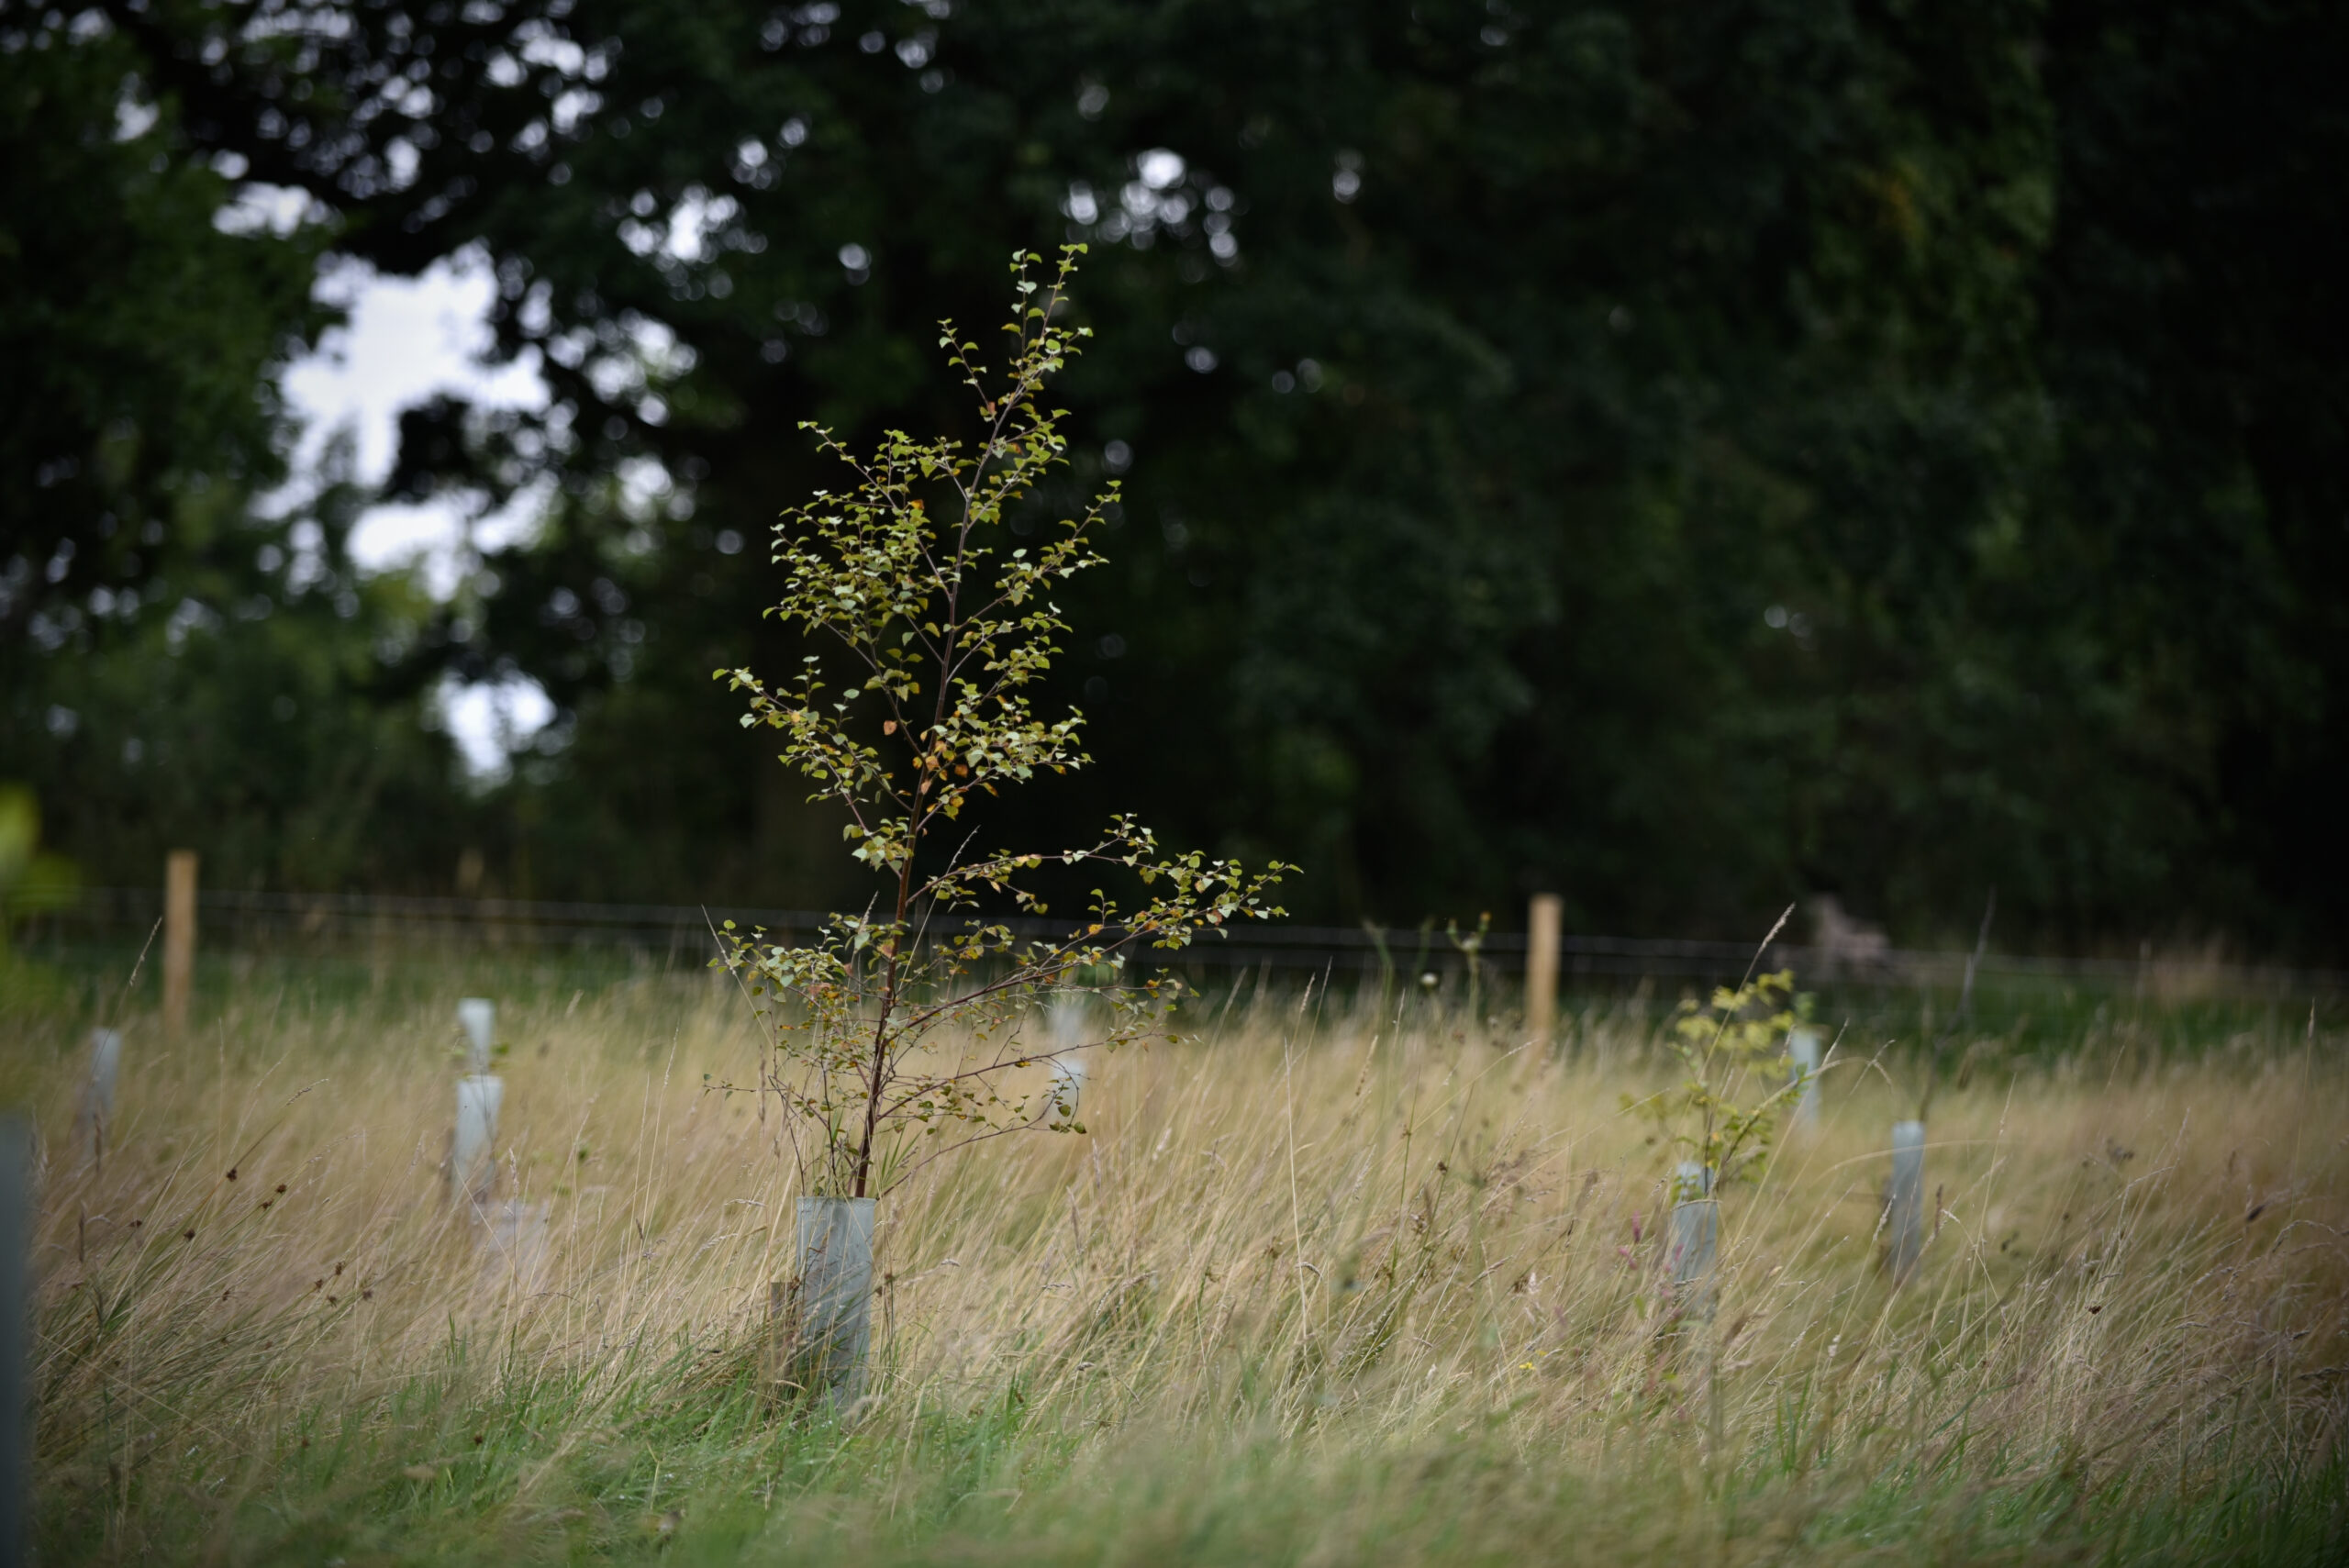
pixel 276 209
pixel 491 720
pixel 1161 167
pixel 408 340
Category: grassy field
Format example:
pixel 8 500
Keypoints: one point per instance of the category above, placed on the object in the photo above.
pixel 1319 1286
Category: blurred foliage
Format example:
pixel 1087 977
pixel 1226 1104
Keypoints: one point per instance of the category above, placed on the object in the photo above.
pixel 1678 456
pixel 138 407
pixel 266 702
pixel 32 879
pixel 1732 1054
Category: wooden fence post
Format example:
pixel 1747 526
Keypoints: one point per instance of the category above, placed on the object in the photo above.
pixel 15 1339
pixel 1543 921
pixel 179 939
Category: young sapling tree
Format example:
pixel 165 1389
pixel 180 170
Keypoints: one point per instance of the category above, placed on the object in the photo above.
pixel 1722 1115
pixel 896 1036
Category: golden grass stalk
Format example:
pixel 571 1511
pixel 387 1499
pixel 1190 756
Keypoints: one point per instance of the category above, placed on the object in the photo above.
pixel 1310 1228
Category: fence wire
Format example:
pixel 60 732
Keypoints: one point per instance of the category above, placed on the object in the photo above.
pixel 328 922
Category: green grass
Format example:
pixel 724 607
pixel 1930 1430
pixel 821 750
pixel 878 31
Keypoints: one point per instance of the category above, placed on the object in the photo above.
pixel 544 1471
pixel 1313 1292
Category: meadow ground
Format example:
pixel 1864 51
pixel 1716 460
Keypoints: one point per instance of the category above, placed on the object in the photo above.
pixel 1321 1284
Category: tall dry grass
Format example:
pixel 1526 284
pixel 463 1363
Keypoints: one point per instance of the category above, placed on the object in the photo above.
pixel 1339 1245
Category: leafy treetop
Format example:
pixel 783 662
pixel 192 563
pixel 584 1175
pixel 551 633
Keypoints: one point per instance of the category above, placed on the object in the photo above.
pixel 944 633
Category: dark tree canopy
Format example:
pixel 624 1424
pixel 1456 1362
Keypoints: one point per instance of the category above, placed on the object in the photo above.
pixel 1685 456
pixel 138 409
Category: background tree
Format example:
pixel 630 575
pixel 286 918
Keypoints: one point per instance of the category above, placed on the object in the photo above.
pixel 139 411
pixel 178 662
pixel 1681 457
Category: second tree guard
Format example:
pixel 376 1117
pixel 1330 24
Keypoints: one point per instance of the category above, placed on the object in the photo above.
pixel 1904 1222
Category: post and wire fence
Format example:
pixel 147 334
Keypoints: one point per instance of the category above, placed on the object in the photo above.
pixel 1545 958
pixel 1519 976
